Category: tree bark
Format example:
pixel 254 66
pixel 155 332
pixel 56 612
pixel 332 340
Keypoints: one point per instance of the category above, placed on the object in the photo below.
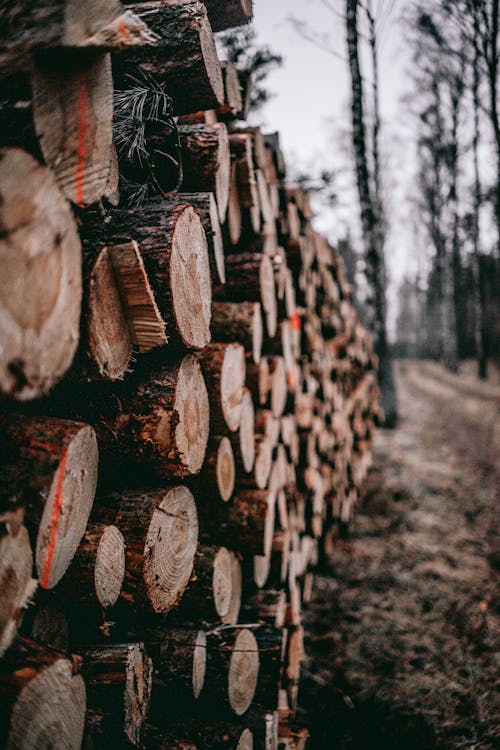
pixel 218 472
pixel 184 60
pixel 55 475
pixel 241 322
pixel 206 207
pixel 118 679
pixel 160 529
pixel 232 669
pixel 174 249
pixel 224 15
pixel 206 162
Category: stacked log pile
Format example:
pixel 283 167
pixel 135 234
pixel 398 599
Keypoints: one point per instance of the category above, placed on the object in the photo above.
pixel 187 396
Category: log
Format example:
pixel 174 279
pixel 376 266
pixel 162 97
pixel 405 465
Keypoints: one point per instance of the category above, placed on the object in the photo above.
pixel 185 59
pixel 16 583
pixel 233 103
pixel 232 669
pixel 244 440
pixel 272 645
pixel 225 15
pixel 206 161
pixel 214 591
pixel 157 421
pixel 233 226
pixel 174 249
pixel 179 658
pixel 197 734
pixel 266 606
pixel 224 371
pixel 40 278
pixel 120 312
pixel 258 381
pixel 96 573
pixel 268 425
pixel 205 206
pixel 278 389
pixel 73 116
pixel 247 523
pixel 118 679
pixel 43 700
pixel 56 477
pixel 218 472
pixel 250 278
pixel 241 322
pixel 160 528
pixel 65 23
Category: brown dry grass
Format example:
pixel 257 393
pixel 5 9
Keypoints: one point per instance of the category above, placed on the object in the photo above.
pixel 402 635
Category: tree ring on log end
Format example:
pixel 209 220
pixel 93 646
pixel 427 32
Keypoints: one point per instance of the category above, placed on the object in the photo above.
pixel 231 385
pixel 222 581
pixel 138 682
pixel 67 508
pixel 257 333
pixel 199 662
pixel 109 566
pixel 40 278
pixel 49 713
pixel 247 431
pixel 225 469
pixel 246 740
pixel 110 343
pixel 16 584
pixel 170 548
pixel 190 280
pixel 192 406
pixel 243 672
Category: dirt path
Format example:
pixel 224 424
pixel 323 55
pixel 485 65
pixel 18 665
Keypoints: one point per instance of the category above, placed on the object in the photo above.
pixel 403 633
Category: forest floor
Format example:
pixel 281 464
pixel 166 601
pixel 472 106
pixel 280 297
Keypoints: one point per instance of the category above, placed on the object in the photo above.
pixel 402 635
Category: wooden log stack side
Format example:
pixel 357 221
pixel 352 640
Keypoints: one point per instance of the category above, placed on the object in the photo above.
pixel 161 512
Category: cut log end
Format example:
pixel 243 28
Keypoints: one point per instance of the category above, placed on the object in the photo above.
pixel 138 683
pixel 257 333
pixel 49 711
pixel 211 60
pixel 246 740
pixel 247 431
pixel 16 584
pixel 223 177
pixel 190 280
pixel 217 241
pixel 192 406
pixel 67 508
pixel 225 469
pixel 243 672
pixel 199 663
pixel 227 586
pixel 40 278
pixel 109 566
pixel 170 548
pixel 263 463
pixel 231 385
pixel 109 339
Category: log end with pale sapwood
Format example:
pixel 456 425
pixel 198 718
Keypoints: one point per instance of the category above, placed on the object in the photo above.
pixel 58 484
pixel 224 370
pixel 40 278
pixel 43 700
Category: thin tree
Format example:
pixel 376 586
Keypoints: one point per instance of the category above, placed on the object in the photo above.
pixel 371 221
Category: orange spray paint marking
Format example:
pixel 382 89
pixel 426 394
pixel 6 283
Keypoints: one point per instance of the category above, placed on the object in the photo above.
pixel 295 322
pixel 54 523
pixel 82 140
pixel 123 32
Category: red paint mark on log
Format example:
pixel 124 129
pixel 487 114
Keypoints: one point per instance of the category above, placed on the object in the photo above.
pixel 54 522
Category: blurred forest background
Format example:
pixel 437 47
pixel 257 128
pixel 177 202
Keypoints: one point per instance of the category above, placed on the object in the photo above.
pixel 437 294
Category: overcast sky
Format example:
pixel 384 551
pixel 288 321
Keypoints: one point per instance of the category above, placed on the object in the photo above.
pixel 311 101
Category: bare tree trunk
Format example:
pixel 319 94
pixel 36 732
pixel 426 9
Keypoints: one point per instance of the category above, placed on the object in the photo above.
pixel 481 354
pixel 370 221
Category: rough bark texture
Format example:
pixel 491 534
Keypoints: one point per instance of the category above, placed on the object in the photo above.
pixel 239 321
pixel 174 249
pixel 206 161
pixel 205 206
pixel 160 529
pixel 224 15
pixel 224 371
pixel 184 59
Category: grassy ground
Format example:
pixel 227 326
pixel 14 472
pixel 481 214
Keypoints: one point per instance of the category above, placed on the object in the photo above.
pixel 402 636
